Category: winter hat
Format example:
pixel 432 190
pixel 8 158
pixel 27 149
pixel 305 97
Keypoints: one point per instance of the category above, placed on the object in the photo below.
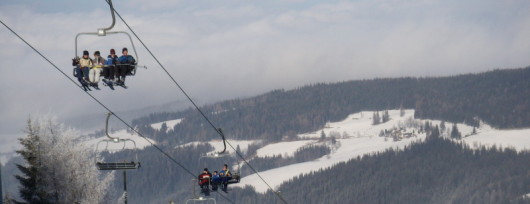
pixel 112 51
pixel 96 53
pixel 124 49
pixel 85 53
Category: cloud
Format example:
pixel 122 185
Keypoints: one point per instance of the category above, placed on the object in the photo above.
pixel 242 48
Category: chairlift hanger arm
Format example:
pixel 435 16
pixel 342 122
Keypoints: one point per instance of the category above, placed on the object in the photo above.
pixel 115 139
pixel 220 131
pixel 104 30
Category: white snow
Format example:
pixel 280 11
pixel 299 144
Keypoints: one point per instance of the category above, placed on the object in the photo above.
pixel 360 125
pixel 122 134
pixel 170 124
pixel 218 145
pixel 357 137
pixel 519 139
pixel 350 148
pixel 282 148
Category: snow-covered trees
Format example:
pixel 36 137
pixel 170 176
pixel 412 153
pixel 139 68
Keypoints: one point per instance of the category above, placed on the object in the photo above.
pixel 58 169
pixel 32 185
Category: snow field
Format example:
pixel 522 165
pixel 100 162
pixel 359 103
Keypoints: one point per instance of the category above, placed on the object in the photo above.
pixel 218 145
pixel 516 139
pixel 170 124
pixel 356 136
pixel 282 148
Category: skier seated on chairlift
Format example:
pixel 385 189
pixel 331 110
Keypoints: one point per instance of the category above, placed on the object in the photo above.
pixel 225 175
pixel 125 64
pixel 95 70
pixel 216 180
pixel 83 66
pixel 204 179
pixel 109 71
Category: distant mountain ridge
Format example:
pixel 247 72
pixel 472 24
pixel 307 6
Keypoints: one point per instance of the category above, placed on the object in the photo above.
pixel 500 98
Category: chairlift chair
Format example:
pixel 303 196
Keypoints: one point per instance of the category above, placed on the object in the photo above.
pixel 236 176
pixel 102 32
pixel 126 165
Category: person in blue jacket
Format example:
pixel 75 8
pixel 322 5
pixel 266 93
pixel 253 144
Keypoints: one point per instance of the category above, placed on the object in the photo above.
pixel 216 180
pixel 109 71
pixel 125 64
pixel 225 175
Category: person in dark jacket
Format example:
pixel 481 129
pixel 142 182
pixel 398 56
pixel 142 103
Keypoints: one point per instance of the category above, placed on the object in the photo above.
pixel 109 71
pixel 216 180
pixel 204 181
pixel 125 64
pixel 225 175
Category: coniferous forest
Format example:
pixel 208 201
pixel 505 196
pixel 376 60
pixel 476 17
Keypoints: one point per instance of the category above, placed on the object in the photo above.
pixel 500 98
pixel 437 171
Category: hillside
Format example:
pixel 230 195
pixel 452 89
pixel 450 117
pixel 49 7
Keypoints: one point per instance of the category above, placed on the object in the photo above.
pixel 500 98
pixel 318 130
pixel 437 171
pixel 356 136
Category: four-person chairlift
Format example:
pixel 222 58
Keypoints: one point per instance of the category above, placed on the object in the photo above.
pixel 102 32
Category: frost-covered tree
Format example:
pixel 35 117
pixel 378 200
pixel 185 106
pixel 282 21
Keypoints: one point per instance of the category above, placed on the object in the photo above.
pixel 64 168
pixel 32 187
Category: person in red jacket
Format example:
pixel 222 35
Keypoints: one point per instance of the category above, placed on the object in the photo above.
pixel 204 180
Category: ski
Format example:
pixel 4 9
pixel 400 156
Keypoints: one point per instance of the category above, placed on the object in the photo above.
pixel 108 83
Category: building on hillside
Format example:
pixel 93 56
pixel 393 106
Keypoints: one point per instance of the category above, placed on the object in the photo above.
pixel 402 133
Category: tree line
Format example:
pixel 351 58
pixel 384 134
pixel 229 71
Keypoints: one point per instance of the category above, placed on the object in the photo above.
pixel 436 171
pixel 500 98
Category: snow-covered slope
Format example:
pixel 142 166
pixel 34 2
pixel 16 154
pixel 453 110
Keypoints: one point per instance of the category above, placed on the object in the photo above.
pixel 282 148
pixel 357 136
pixel 218 145
pixel 518 139
pixel 170 124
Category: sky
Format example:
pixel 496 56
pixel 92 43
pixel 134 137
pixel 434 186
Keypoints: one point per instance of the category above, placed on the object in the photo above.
pixel 219 50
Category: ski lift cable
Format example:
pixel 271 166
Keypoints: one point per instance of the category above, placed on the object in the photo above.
pixel 251 167
pixel 105 107
pixel 218 130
